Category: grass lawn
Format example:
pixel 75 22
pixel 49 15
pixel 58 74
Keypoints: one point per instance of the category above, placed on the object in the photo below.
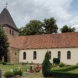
pixel 6 68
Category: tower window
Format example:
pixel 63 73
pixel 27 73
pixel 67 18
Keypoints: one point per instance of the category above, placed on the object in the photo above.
pixel 10 31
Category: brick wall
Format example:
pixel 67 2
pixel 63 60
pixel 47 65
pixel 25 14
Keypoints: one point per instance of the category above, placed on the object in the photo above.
pixel 10 31
pixel 13 55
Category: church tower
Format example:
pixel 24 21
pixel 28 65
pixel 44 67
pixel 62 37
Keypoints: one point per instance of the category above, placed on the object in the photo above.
pixel 7 23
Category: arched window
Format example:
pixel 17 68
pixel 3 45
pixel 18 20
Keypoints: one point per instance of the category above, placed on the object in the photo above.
pixel 68 55
pixel 59 54
pixel 50 54
pixel 24 55
pixel 34 55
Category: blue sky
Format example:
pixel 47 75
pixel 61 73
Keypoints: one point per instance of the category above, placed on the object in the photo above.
pixel 64 11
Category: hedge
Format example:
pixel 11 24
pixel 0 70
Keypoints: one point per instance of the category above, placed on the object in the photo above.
pixel 66 69
pixel 62 73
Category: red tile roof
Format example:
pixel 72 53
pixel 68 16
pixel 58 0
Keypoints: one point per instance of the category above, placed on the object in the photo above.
pixel 59 40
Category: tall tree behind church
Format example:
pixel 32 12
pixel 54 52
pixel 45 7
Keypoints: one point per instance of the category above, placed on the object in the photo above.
pixel 3 43
pixel 65 29
pixel 50 26
pixel 32 28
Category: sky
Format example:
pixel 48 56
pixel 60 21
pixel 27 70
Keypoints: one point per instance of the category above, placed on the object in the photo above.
pixel 65 12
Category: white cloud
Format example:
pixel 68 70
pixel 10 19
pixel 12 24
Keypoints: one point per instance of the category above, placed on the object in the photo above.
pixel 23 11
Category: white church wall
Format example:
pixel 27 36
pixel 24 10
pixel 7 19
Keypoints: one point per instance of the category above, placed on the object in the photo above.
pixel 54 54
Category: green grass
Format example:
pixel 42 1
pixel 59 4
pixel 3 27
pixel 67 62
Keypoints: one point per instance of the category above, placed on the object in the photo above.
pixel 6 68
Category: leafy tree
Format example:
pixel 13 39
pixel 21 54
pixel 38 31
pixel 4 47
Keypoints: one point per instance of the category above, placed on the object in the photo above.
pixel 32 28
pixel 46 65
pixel 21 31
pixel 3 43
pixel 50 26
pixel 65 29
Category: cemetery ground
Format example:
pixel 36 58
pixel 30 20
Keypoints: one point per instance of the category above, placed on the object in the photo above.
pixel 6 68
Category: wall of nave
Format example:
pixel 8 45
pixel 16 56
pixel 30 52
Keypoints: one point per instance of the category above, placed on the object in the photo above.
pixel 68 56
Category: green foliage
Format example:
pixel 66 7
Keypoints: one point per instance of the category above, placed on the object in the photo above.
pixel 20 73
pixel 61 65
pixel 62 73
pixel 3 43
pixel 56 61
pixel 9 74
pixel 37 27
pixel 66 69
pixel 46 65
pixel 32 28
pixel 65 29
pixel 4 63
pixel 50 26
pixel 17 72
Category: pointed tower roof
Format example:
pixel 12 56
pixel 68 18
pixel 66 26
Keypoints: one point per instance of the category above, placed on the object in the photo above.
pixel 6 19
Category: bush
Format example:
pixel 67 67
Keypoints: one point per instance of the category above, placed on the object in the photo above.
pixel 56 61
pixel 4 63
pixel 19 73
pixel 0 62
pixel 46 65
pixel 9 74
pixel 61 65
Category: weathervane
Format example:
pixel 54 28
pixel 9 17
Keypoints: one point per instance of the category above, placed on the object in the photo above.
pixel 6 4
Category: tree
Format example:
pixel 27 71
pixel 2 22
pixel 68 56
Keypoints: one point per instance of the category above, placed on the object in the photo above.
pixel 46 65
pixel 50 26
pixel 32 28
pixel 3 43
pixel 65 29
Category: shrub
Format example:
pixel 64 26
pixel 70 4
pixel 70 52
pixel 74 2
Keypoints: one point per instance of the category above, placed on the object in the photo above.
pixel 61 65
pixel 19 73
pixel 9 74
pixel 0 62
pixel 4 63
pixel 46 65
pixel 56 61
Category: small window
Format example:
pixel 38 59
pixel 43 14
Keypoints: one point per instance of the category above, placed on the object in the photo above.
pixel 10 31
pixel 68 55
pixel 59 54
pixel 35 55
pixel 24 55
pixel 15 54
pixel 50 54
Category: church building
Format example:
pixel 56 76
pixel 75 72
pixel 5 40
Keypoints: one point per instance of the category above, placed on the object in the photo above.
pixel 32 48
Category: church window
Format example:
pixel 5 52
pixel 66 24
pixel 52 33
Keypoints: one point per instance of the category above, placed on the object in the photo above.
pixel 34 55
pixel 50 54
pixel 68 55
pixel 59 54
pixel 15 53
pixel 10 31
pixel 24 55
